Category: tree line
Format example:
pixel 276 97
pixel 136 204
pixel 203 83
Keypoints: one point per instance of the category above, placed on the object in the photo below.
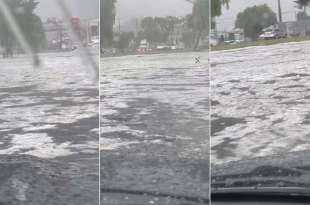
pixel 157 29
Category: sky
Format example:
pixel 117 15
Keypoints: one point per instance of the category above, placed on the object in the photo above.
pixel 85 9
pixel 226 21
pixel 130 9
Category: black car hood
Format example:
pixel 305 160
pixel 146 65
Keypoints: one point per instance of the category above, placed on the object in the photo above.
pixel 287 170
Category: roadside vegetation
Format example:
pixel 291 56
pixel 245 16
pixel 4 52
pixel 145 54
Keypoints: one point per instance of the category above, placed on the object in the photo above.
pixel 253 21
pixel 160 33
pixel 259 43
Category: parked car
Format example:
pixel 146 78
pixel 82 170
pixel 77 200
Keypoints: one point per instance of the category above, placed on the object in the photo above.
pixel 163 47
pixel 272 34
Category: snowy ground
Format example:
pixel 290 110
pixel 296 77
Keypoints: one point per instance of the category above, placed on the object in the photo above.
pixel 260 101
pixel 154 124
pixel 49 114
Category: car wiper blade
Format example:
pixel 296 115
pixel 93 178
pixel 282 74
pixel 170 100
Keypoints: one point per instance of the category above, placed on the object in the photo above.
pixel 194 199
pixel 264 190
pixel 283 194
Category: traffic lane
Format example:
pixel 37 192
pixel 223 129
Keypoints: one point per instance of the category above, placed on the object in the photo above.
pixel 49 111
pixel 33 181
pixel 153 85
pixel 49 132
pixel 259 101
pixel 154 122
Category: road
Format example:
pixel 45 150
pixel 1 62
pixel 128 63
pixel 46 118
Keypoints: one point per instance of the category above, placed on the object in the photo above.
pixel 154 127
pixel 260 102
pixel 49 132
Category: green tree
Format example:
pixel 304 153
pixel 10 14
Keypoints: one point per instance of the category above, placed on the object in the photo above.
pixel 199 20
pixel 158 29
pixel 107 20
pixel 124 40
pixel 216 9
pixel 254 19
pixel 151 30
pixel 29 23
pixel 302 4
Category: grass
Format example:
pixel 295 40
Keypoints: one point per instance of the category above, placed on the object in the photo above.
pixel 259 43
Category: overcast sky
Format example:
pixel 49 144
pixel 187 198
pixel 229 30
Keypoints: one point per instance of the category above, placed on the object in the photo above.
pixel 129 9
pixel 84 9
pixel 226 21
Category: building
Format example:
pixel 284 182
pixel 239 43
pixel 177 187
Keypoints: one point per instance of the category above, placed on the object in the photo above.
pixel 57 37
pixel 92 28
pixel 295 28
pixel 300 27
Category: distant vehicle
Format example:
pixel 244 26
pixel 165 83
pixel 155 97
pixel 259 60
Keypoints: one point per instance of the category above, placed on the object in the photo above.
pixel 229 42
pixel 144 46
pixel 94 42
pixel 272 34
pixel 163 47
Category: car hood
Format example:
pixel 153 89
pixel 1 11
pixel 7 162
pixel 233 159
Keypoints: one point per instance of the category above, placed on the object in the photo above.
pixel 286 171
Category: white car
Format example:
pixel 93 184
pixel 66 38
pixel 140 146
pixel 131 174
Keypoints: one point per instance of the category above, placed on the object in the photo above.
pixel 271 34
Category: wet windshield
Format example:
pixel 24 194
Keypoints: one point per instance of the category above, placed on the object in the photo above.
pixel 48 102
pixel 260 98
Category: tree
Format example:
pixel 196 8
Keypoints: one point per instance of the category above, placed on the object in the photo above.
pixel 302 4
pixel 216 9
pixel 107 20
pixel 158 29
pixel 151 30
pixel 199 20
pixel 124 40
pixel 254 19
pixel 29 23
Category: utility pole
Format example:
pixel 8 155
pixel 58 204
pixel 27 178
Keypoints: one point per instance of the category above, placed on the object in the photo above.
pixel 136 33
pixel 119 26
pixel 280 11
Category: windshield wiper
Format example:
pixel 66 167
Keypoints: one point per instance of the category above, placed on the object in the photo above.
pixel 194 199
pixel 261 194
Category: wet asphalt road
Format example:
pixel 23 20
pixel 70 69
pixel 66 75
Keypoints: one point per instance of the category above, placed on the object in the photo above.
pixel 154 128
pixel 260 102
pixel 48 131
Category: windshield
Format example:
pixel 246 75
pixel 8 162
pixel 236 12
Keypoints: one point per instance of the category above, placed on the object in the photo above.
pixel 260 101
pixel 154 105
pixel 48 103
